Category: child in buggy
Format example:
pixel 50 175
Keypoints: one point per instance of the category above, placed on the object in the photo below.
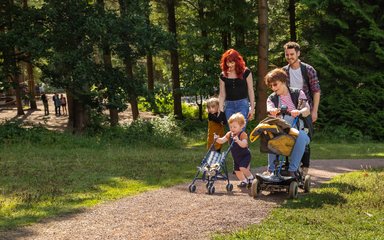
pixel 282 135
pixel 213 167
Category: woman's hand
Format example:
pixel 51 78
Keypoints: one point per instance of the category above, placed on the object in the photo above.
pixel 250 115
pixel 274 112
pixel 295 113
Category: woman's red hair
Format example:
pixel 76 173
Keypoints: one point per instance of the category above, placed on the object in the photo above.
pixel 231 55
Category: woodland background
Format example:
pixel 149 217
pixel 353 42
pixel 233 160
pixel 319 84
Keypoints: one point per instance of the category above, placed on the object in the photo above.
pixel 108 54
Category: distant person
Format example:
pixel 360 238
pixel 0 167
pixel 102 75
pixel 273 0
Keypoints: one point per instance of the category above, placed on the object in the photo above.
pixel 64 104
pixel 45 103
pixel 240 152
pixel 216 122
pixel 236 86
pixel 57 104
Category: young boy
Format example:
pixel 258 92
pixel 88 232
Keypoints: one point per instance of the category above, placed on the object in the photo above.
pixel 240 152
pixel 216 122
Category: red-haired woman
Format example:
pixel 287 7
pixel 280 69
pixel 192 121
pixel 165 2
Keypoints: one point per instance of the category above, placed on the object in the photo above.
pixel 236 86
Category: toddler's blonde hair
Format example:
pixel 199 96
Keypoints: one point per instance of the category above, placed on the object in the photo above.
pixel 237 117
pixel 214 101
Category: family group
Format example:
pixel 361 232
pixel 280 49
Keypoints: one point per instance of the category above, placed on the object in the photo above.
pixel 295 87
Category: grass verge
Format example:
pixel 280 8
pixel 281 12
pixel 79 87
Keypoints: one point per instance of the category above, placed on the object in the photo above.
pixel 347 207
pixel 45 174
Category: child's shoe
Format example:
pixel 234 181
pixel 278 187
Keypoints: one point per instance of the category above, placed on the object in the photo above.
pixel 267 173
pixel 242 184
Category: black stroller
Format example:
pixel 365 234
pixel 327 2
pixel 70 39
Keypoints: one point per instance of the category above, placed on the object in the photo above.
pixel 276 134
pixel 213 167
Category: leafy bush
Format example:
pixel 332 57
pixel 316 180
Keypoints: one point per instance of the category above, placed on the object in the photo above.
pixel 341 133
pixel 162 132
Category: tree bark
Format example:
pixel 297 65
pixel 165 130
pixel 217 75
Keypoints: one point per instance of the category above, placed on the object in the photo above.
pixel 292 20
pixel 261 108
pixel 107 59
pixel 31 84
pixel 151 79
pixel 129 69
pixel 31 79
pixel 177 109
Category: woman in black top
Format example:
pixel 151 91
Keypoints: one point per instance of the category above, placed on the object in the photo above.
pixel 236 86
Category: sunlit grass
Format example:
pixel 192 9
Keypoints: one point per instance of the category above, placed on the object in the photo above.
pixel 45 174
pixel 348 207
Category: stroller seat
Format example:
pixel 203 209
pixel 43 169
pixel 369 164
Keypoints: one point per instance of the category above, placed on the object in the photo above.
pixel 212 167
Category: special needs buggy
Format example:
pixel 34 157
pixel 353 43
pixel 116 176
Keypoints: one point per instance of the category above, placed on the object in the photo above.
pixel 213 167
pixel 278 137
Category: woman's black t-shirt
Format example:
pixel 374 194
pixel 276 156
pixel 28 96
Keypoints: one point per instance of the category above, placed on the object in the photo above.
pixel 236 88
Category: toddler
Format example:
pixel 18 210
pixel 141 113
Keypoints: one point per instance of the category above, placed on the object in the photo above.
pixel 240 152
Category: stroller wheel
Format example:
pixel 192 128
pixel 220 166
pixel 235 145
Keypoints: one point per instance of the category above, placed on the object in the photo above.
pixel 192 188
pixel 307 183
pixel 211 189
pixel 293 190
pixel 229 187
pixel 255 188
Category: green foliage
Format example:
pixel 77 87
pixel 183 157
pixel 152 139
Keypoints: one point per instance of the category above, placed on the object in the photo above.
pixel 347 207
pixel 345 46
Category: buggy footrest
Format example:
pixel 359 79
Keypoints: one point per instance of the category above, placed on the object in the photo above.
pixel 275 179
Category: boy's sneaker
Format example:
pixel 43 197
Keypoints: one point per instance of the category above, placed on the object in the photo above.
pixel 242 184
pixel 267 173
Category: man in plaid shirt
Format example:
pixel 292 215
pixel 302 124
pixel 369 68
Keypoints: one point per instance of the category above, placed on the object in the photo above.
pixel 303 76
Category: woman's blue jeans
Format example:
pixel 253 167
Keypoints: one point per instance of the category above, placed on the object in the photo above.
pixel 232 107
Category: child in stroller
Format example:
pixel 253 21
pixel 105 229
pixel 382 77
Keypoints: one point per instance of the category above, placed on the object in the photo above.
pixel 213 167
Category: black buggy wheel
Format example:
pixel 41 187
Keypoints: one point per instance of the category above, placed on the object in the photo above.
pixel 211 190
pixel 229 187
pixel 192 188
pixel 293 190
pixel 307 183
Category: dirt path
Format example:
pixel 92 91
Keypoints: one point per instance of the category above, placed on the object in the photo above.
pixel 51 121
pixel 174 213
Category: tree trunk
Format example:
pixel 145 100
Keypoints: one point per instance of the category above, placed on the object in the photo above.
pixel 132 95
pixel 107 59
pixel 70 107
pixel 80 119
pixel 16 87
pixel 31 79
pixel 239 28
pixel 151 79
pixel 292 20
pixel 261 108
pixel 177 109
pixel 129 70
pixel 31 85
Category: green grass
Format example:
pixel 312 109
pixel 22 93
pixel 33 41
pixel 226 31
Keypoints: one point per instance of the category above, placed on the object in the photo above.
pixel 42 181
pixel 349 206
pixel 45 174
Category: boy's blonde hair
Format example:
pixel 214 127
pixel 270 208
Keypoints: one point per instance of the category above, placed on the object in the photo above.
pixel 214 101
pixel 237 117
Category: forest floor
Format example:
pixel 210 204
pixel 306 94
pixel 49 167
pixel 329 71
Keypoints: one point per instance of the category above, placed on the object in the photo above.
pixel 51 121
